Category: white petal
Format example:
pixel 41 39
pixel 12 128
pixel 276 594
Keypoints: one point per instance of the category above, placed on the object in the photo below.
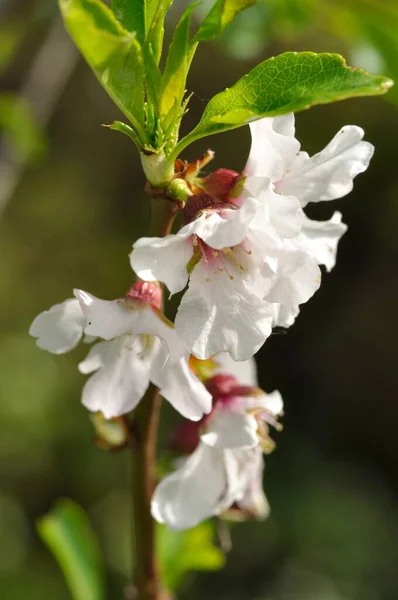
pixel 194 492
pixel 121 379
pixel 59 329
pixel 228 229
pixel 272 403
pixel 285 316
pixel 298 278
pixel 329 174
pixel 285 214
pixel 245 371
pixel 105 318
pixel 163 259
pixel 321 238
pixel 185 392
pixel 254 500
pixel 273 148
pixel 153 322
pixel 231 429
pixel 218 314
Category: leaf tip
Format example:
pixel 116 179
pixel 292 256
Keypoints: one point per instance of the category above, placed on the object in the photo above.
pixel 387 84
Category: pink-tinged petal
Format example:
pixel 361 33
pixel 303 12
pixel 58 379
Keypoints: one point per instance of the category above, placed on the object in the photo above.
pixel 178 384
pixel 219 314
pixel 194 492
pixel 228 228
pixel 122 375
pixel 60 328
pixel 105 318
pixel 163 259
pixel 273 148
pixel 231 429
pixel 329 174
pixel 321 238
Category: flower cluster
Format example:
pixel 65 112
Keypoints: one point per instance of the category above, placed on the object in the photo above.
pixel 223 472
pixel 247 257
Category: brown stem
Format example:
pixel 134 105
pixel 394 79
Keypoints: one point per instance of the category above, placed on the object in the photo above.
pixel 143 443
pixel 145 426
pixel 163 213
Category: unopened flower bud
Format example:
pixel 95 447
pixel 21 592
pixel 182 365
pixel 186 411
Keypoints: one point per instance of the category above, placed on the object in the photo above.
pixel 147 291
pixel 221 385
pixel 196 204
pixel 110 434
pixel 221 183
pixel 185 437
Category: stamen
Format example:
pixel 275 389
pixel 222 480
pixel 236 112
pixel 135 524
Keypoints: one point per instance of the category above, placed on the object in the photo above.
pixel 229 254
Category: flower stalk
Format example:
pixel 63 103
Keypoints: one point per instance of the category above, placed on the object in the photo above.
pixel 144 444
pixel 145 428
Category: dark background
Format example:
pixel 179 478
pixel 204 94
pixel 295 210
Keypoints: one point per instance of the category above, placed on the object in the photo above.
pixel 69 217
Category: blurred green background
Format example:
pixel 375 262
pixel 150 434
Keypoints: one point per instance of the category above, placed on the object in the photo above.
pixel 72 203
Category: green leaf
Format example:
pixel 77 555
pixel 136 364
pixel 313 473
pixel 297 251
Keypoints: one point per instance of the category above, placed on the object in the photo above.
pixel 289 82
pixel 21 127
pixel 68 534
pixel 124 128
pixel 183 551
pixel 220 16
pixel 136 15
pixel 113 53
pixel 179 59
pixel 146 18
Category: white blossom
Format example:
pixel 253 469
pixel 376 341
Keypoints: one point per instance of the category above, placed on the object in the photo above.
pixel 140 347
pixel 251 263
pixel 226 467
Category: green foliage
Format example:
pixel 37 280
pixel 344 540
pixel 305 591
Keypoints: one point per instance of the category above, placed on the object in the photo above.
pixel 289 82
pixel 68 534
pixel 178 62
pixel 183 551
pixel 113 53
pixel 354 23
pixel 145 18
pixel 10 38
pixel 124 48
pixel 220 16
pixel 21 128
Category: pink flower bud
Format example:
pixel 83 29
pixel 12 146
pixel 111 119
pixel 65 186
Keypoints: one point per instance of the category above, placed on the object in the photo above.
pixel 185 436
pixel 221 182
pixel 196 204
pixel 221 385
pixel 147 291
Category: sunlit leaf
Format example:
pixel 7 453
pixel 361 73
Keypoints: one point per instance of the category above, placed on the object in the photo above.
pixel 113 53
pixel 183 551
pixel 136 15
pixel 289 82
pixel 178 62
pixel 68 534
pixel 219 16
pixel 155 32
